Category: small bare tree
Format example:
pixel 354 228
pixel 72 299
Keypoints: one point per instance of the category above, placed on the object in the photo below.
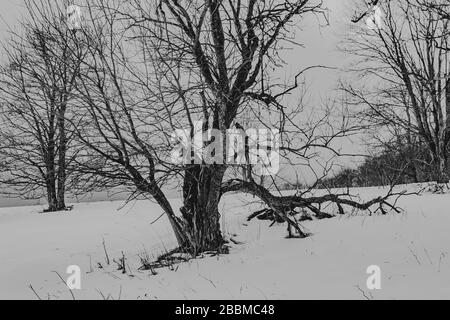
pixel 37 80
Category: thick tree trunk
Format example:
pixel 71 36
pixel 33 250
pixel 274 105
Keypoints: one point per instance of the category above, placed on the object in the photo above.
pixel 201 194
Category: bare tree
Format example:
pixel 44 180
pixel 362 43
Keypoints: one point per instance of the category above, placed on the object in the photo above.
pixel 155 68
pixel 405 65
pixel 37 80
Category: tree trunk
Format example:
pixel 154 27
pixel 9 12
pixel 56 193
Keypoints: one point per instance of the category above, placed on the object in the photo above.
pixel 440 167
pixel 50 178
pixel 201 194
pixel 414 172
pixel 62 174
pixel 51 194
pixel 161 199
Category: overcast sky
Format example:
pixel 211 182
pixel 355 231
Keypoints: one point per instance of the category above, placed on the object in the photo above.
pixel 320 42
pixel 10 11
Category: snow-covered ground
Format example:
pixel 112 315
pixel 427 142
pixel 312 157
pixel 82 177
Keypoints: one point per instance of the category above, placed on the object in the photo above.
pixel 412 250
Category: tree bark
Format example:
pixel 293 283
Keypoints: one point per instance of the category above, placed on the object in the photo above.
pixel 161 199
pixel 414 172
pixel 51 194
pixel 50 177
pixel 440 164
pixel 62 165
pixel 201 194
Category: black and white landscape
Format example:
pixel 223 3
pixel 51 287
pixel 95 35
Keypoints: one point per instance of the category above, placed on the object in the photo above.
pixel 224 149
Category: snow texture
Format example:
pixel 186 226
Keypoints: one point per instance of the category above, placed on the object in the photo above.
pixel 411 249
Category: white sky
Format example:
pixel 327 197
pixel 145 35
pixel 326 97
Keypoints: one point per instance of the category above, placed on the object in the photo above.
pixel 320 42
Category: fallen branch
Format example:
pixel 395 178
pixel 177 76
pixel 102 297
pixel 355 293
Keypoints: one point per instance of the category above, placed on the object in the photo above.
pixel 282 208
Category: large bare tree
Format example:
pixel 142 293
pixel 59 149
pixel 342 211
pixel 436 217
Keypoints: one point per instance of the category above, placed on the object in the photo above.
pixel 196 66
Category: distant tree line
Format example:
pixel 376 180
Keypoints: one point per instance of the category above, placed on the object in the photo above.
pixel 397 163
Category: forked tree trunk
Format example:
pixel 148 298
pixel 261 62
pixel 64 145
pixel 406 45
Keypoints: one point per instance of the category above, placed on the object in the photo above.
pixel 201 196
